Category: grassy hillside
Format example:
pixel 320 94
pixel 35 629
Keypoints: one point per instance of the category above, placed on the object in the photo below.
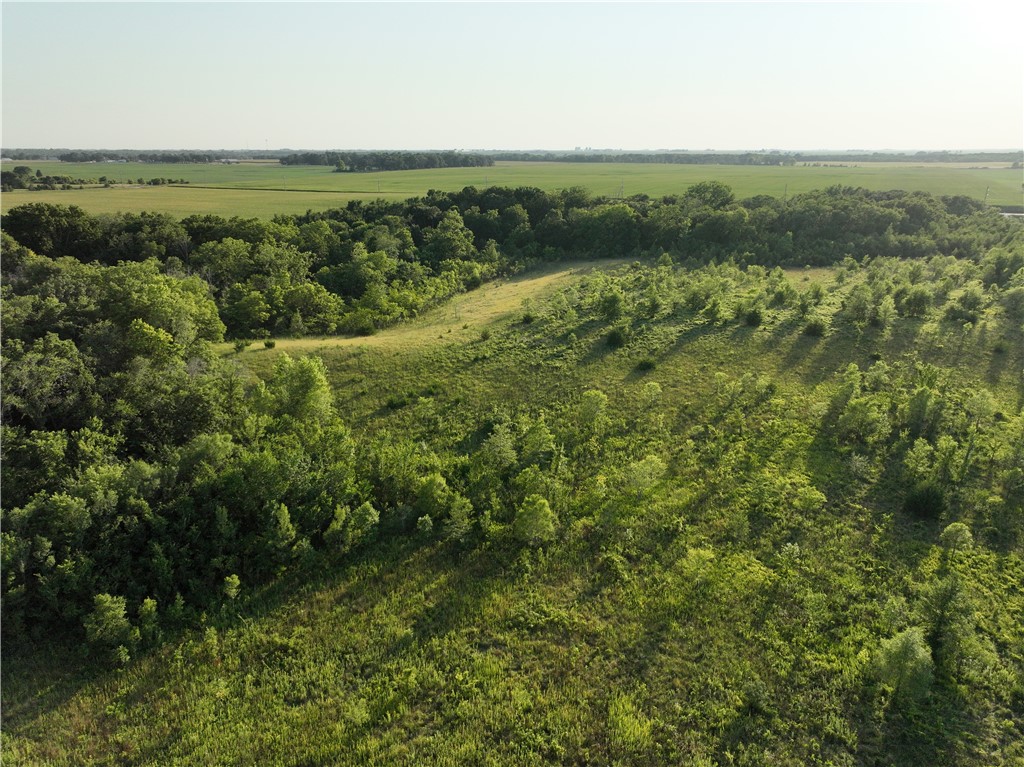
pixel 738 572
pixel 257 189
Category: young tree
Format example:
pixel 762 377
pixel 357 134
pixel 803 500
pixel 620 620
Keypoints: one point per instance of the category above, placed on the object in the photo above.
pixel 904 664
pixel 535 521
pixel 107 628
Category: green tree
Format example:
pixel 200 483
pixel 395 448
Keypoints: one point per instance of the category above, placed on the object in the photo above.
pixel 534 523
pixel 713 194
pixel 300 391
pixel 956 538
pixel 450 240
pixel 904 664
pixel 107 629
pixel 48 384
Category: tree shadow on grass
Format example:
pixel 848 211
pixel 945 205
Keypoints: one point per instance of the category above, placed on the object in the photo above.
pixel 41 676
pixel 935 733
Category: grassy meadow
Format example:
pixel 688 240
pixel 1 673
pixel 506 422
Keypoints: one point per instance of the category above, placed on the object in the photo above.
pixel 265 189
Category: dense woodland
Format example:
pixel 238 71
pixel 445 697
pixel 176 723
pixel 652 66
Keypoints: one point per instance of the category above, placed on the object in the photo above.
pixel 377 161
pixel 372 264
pixel 862 529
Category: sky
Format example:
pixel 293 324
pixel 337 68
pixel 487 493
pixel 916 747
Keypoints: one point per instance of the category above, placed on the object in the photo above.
pixel 697 76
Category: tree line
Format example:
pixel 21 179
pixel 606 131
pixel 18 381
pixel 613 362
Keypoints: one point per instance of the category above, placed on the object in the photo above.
pixel 371 264
pixel 774 157
pixel 357 161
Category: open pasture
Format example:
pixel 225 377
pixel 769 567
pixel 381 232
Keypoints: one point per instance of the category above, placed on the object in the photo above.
pixel 265 189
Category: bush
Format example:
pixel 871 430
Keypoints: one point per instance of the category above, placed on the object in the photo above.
pixel 107 629
pixel 753 316
pixel 617 338
pixel 241 345
pixel 527 318
pixel 645 365
pixel 815 327
pixel 927 500
pixel 425 526
pixel 269 343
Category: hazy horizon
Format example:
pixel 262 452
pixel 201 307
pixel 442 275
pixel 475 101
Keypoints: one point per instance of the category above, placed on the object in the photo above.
pixel 515 77
pixel 559 150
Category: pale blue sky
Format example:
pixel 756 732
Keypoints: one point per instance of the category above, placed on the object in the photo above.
pixel 514 76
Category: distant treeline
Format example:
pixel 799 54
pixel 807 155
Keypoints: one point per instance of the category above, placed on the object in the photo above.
pixel 140 155
pixel 373 161
pixel 397 160
pixel 740 158
pixel 756 158
pixel 164 157
pixel 372 264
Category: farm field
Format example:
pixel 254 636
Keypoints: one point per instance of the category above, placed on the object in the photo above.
pixel 266 189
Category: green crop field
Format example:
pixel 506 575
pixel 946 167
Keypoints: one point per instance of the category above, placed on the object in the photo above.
pixel 264 189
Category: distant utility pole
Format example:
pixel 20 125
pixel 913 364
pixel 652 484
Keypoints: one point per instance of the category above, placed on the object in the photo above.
pixel 622 189
pixel 987 188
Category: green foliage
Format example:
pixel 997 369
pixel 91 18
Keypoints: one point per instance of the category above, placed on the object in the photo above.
pixel 534 522
pixel 617 337
pixel 232 586
pixel 725 535
pixel 630 730
pixel 904 664
pixel 107 629
pixel 926 499
pixel 816 327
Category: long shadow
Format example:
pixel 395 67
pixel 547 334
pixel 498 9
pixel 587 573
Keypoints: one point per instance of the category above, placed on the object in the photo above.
pixel 475 576
pixel 51 669
pixel 933 734
pixel 478 575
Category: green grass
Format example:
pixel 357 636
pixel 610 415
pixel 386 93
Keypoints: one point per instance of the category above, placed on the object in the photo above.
pixel 259 189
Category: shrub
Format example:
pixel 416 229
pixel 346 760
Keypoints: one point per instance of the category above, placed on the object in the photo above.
pixel 425 526
pixel 485 335
pixel 927 499
pixel 269 343
pixel 527 318
pixel 645 365
pixel 232 586
pixel 629 729
pixel 815 327
pixel 107 629
pixel 617 337
pixel 241 344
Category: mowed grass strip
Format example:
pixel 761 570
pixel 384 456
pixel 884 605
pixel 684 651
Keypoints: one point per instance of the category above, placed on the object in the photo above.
pixel 458 321
pixel 291 189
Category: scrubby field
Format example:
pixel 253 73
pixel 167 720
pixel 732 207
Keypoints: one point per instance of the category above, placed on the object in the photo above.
pixel 265 189
pixel 737 577
pixel 642 482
